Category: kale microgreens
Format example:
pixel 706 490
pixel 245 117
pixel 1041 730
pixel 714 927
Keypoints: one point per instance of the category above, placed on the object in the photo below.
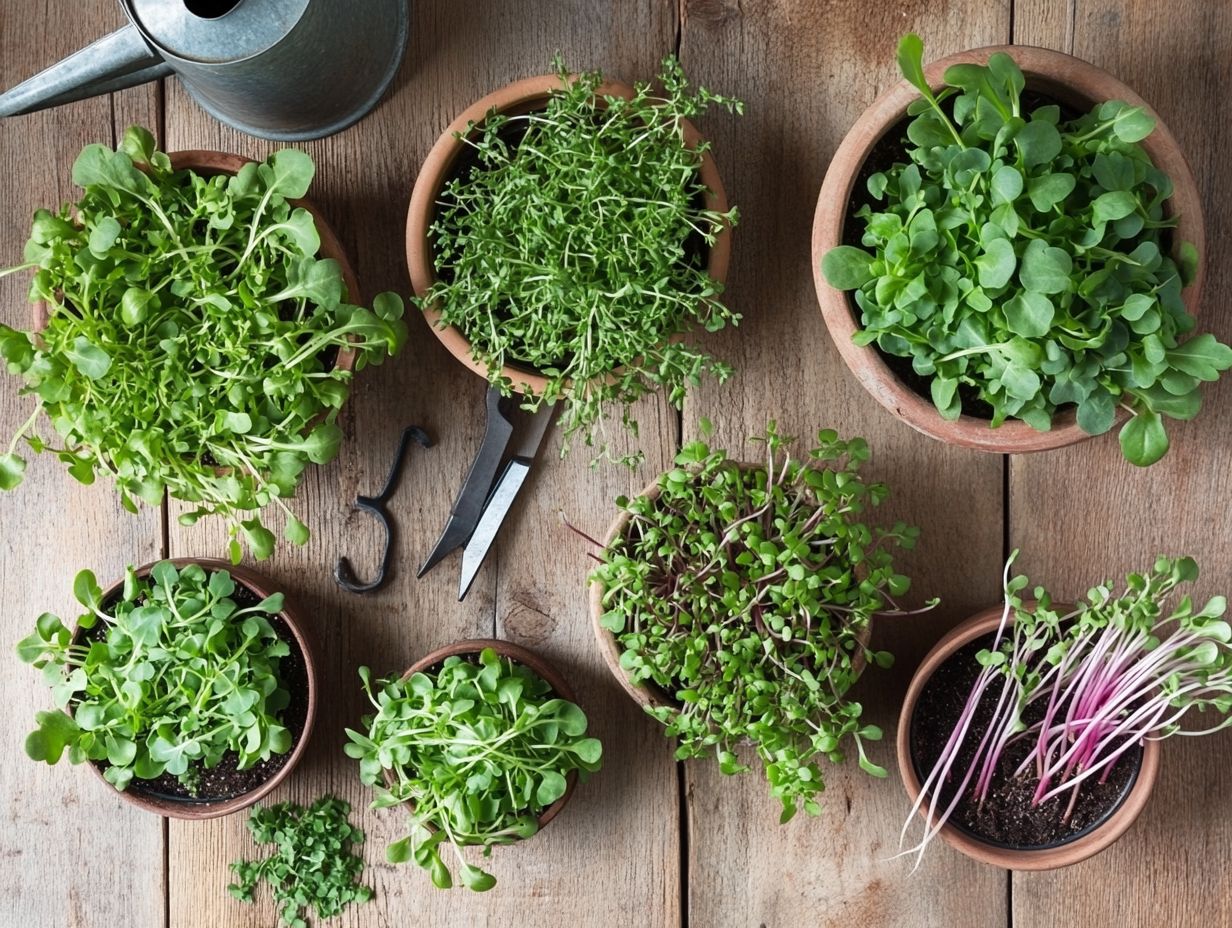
pixel 178 677
pixel 1022 258
pixel 192 336
pixel 746 592
pixel 312 867
pixel 476 750
pixel 1084 687
pixel 577 247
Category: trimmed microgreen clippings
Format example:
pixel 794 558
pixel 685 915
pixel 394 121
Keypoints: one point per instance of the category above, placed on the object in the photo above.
pixel 577 247
pixel 745 593
pixel 1109 675
pixel 180 677
pixel 312 868
pixel 192 336
pixel 1022 259
pixel 476 750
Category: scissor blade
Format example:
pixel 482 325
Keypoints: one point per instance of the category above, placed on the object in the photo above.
pixel 480 543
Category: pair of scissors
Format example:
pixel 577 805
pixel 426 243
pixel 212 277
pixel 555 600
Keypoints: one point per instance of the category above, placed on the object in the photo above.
pixel 511 436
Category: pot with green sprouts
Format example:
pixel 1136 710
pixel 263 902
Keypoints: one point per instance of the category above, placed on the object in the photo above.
pixel 567 237
pixel 1030 735
pixel 734 602
pixel 190 687
pixel 482 742
pixel 196 335
pixel 1008 255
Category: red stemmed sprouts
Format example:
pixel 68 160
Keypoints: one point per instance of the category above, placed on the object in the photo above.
pixel 1098 681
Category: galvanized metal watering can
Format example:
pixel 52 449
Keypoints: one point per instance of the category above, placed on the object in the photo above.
pixel 279 69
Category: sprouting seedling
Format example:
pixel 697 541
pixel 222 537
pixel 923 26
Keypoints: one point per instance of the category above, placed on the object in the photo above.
pixel 1106 677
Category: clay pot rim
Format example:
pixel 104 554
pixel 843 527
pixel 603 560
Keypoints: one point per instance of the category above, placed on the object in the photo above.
pixel 206 162
pixel 1074 850
pixel 187 810
pixel 523 95
pixel 469 647
pixel 650 695
pixel 1067 79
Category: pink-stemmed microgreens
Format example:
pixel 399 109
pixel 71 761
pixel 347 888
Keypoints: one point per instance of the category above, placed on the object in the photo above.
pixel 1110 674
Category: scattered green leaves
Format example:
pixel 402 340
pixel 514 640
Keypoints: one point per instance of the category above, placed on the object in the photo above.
pixel 193 334
pixel 744 593
pixel 179 676
pixel 1019 259
pixel 312 867
pixel 577 245
pixel 476 749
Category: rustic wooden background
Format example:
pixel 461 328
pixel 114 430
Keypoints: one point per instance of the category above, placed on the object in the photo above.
pixel 648 842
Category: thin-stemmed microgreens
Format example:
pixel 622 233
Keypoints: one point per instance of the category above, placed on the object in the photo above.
pixel 179 676
pixel 577 243
pixel 192 336
pixel 476 750
pixel 746 592
pixel 1103 678
pixel 1022 258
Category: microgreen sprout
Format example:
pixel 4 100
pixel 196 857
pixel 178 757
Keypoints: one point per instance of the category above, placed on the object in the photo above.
pixel 745 594
pixel 476 750
pixel 577 247
pixel 190 345
pixel 1020 260
pixel 180 676
pixel 1103 678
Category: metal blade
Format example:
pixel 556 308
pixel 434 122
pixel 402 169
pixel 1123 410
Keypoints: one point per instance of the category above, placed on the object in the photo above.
pixel 468 507
pixel 480 543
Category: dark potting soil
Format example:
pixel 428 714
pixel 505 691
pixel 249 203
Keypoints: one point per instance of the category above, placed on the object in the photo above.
pixel 889 151
pixel 1006 817
pixel 225 780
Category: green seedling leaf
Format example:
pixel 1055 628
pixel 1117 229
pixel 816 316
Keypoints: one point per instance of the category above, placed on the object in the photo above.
pixel 12 471
pixel 1143 438
pixel 847 268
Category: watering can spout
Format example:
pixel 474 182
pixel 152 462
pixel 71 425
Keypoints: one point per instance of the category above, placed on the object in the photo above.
pixel 121 59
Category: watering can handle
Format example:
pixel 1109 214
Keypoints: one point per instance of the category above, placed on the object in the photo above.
pixel 122 59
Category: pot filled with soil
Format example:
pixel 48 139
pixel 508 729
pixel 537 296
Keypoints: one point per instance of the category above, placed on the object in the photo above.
pixel 734 603
pixel 189 687
pixel 1008 250
pixel 431 748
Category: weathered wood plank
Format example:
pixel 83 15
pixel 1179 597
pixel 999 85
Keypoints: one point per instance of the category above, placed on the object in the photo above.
pixel 602 852
pixel 807 70
pixel 1084 514
pixel 53 527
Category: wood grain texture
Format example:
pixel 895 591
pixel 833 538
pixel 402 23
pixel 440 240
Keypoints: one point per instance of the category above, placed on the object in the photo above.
pixel 618 837
pixel 1084 514
pixel 806 71
pixel 55 819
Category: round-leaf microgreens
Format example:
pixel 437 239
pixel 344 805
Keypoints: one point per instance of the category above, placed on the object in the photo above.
pixel 477 750
pixel 745 593
pixel 313 866
pixel 576 246
pixel 1022 259
pixel 180 677
pixel 1114 672
pixel 192 335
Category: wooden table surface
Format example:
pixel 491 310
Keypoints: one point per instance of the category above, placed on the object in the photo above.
pixel 647 842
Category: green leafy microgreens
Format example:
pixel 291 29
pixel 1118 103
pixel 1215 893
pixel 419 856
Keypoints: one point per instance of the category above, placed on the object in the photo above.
pixel 1111 674
pixel 192 335
pixel 746 593
pixel 1021 259
pixel 477 750
pixel 180 677
pixel 576 247
pixel 313 866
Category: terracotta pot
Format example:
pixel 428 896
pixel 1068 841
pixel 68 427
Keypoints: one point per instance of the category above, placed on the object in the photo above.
pixel 1085 844
pixel 202 809
pixel 648 695
pixel 527 658
pixel 1061 77
pixel 518 98
pixel 209 163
